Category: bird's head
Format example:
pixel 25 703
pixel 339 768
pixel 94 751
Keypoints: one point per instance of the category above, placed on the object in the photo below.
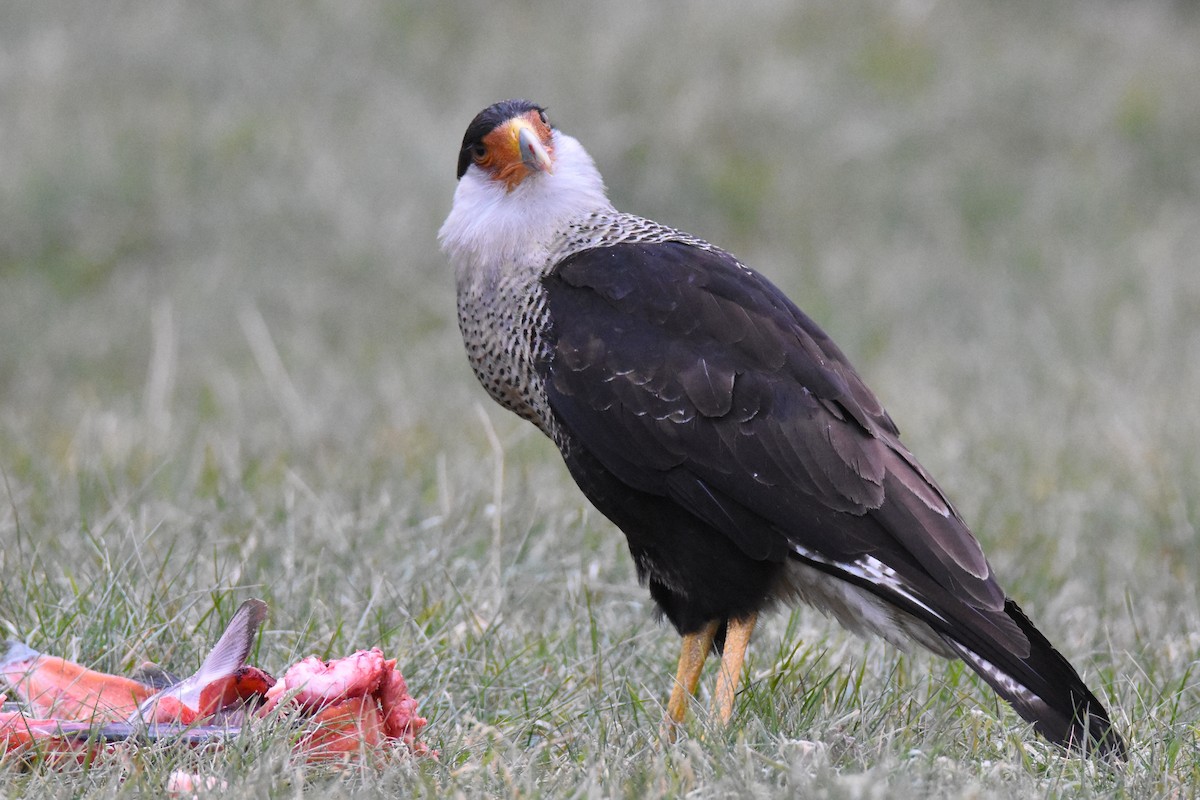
pixel 520 182
pixel 508 141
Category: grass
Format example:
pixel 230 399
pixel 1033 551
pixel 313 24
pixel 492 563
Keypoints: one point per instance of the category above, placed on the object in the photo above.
pixel 230 369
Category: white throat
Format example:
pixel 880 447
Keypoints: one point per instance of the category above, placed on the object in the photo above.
pixel 490 227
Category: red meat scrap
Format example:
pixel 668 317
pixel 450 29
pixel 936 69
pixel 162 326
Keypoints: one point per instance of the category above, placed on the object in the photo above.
pixel 357 702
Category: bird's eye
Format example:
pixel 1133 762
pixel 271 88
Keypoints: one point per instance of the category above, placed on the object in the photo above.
pixel 478 151
pixel 542 116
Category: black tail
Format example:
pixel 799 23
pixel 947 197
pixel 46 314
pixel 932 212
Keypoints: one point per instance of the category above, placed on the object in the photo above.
pixel 1044 689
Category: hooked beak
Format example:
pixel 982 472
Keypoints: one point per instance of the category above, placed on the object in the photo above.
pixel 533 154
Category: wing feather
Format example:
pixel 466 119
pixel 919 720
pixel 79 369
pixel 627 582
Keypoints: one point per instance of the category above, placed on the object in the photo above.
pixel 691 377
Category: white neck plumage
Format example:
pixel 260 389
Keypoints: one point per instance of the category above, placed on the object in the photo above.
pixel 490 228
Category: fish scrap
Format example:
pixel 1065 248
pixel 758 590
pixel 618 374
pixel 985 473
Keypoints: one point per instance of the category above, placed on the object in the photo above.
pixel 345 708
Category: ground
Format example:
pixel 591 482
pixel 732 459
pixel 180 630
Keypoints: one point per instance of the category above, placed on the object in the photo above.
pixel 230 368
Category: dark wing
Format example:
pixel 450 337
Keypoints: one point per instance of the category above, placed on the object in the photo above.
pixel 691 377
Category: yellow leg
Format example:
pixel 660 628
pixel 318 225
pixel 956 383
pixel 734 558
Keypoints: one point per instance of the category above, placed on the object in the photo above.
pixel 691 661
pixel 737 639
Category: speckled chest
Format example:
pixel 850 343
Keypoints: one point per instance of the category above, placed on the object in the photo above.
pixel 504 320
pixel 504 316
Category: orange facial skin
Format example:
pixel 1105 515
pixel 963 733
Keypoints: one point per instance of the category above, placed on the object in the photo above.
pixel 511 157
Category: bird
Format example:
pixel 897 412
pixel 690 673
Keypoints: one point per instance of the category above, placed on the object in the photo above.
pixel 722 431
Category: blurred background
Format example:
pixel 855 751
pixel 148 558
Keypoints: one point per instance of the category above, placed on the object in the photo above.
pixel 227 333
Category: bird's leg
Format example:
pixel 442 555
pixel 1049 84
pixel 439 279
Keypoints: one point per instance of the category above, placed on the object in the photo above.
pixel 691 661
pixel 737 639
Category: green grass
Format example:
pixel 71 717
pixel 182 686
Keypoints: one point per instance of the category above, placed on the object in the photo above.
pixel 229 368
